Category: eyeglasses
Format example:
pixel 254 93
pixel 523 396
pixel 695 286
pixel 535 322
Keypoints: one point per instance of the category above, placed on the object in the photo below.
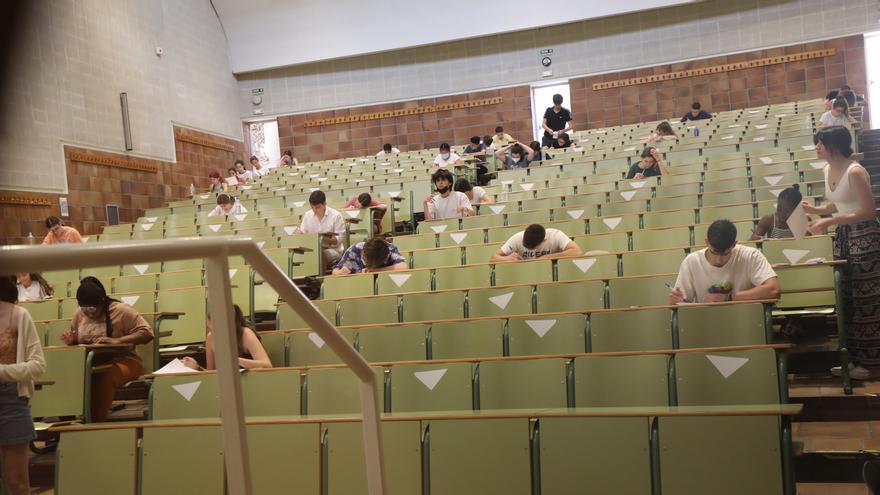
pixel 89 309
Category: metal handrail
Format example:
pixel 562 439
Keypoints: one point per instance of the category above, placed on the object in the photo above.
pixel 216 251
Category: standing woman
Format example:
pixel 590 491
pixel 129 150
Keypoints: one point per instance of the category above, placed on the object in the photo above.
pixel 848 191
pixel 21 361
pixel 102 320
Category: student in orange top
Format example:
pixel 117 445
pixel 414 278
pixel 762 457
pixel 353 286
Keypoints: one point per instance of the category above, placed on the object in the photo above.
pixel 59 233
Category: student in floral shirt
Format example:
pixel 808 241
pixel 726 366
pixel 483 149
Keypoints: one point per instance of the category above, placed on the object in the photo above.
pixel 375 255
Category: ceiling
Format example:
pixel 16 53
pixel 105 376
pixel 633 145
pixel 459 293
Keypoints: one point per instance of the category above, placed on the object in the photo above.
pixel 265 34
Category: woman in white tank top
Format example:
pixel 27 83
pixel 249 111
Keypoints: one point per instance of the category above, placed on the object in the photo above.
pixel 857 240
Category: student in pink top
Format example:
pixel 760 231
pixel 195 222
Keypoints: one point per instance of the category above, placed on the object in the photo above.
pixel 364 200
pixel 60 234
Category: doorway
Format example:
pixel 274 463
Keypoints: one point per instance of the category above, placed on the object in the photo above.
pixel 263 138
pixel 872 65
pixel 542 97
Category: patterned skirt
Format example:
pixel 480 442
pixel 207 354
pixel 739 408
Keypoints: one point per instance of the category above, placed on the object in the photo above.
pixel 859 245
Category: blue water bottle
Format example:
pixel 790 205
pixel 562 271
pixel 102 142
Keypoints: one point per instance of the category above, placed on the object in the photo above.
pixel 696 131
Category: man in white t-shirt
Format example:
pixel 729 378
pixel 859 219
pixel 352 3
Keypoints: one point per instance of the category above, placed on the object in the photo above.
pixel 322 219
pixel 387 149
pixel 537 242
pixel 475 194
pixel 446 157
pixel 724 271
pixel 449 203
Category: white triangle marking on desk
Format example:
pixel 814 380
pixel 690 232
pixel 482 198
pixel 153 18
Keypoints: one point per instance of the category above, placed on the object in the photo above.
pixel 458 237
pixel 809 147
pixel 501 300
pixel 766 160
pixel 312 176
pixel 215 227
pixel 506 182
pixel 313 189
pixel 130 300
pixel 353 213
pixel 241 217
pixel 439 228
pixel 818 165
pixel 727 365
pixel 761 126
pixel 322 179
pixel 575 214
pixel 399 278
pixel 316 339
pixel 393 194
pixel 541 327
pixel 187 390
pixel 627 195
pixel 775 192
pixel 232 272
pixel 612 223
pixel 261 244
pixel 759 139
pixel 638 184
pixel 584 264
pixel 527 186
pixel 794 255
pixel 299 204
pixel 141 268
pixel 431 378
pixel 631 148
pixel 204 196
pixel 151 219
pixel 146 226
pixel 397 170
pixel 289 230
pixel 497 208
pixel 772 179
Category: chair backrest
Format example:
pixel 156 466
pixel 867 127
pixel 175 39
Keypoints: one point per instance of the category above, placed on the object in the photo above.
pixel 618 381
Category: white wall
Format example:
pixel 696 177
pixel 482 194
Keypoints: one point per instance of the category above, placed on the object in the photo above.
pixel 76 58
pixel 265 34
pixel 604 45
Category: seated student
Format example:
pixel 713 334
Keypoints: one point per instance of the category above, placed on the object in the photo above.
pixel 375 255
pixel 724 271
pixel 520 155
pixel 501 138
pixel 696 113
pixel 217 183
pixel 830 97
pixel 322 219
pixel 838 115
pixel 446 157
pixel 387 149
pixel 663 132
pixel 59 233
pixel 102 320
pixel 475 194
pixel 33 287
pixel 232 177
pixel 227 206
pixel 475 146
pixel 257 168
pixel 287 160
pixel 364 200
pixel 487 143
pixel 847 93
pixel 251 353
pixel 536 147
pixel 243 176
pixel 537 242
pixel 774 225
pixel 21 362
pixel 650 165
pixel 448 203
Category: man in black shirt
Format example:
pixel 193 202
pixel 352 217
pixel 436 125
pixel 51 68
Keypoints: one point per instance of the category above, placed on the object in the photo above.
pixel 557 120
pixel 696 113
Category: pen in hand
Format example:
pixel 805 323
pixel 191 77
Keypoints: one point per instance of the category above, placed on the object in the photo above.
pixel 683 299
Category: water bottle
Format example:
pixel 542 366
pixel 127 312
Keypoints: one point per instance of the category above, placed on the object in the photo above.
pixel 30 238
pixel 192 189
pixel 696 131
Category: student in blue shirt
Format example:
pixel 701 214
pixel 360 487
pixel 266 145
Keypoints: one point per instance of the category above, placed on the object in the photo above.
pixel 696 113
pixel 375 255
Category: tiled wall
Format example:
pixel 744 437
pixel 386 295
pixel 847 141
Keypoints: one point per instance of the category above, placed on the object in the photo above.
pixel 411 132
pixel 92 186
pixel 720 91
pixel 76 56
pixel 699 30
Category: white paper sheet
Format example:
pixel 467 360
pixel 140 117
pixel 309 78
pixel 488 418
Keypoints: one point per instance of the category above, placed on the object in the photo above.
pixel 174 366
pixel 797 222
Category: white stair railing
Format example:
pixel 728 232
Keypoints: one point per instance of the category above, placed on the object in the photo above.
pixel 216 251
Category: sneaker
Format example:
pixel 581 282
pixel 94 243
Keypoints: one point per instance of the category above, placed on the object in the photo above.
pixel 855 372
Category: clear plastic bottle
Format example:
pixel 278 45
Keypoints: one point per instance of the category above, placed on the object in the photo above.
pixel 30 239
pixel 192 189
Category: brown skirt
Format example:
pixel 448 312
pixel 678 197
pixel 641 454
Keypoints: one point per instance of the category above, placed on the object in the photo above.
pixel 859 245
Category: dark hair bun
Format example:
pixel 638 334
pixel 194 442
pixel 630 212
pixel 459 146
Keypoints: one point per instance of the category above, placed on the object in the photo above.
pixel 796 187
